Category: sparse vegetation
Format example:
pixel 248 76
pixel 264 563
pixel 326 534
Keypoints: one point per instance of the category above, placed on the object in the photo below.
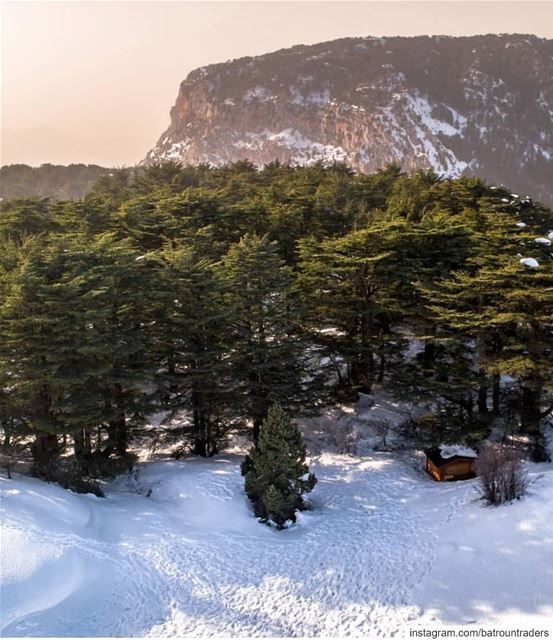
pixel 501 474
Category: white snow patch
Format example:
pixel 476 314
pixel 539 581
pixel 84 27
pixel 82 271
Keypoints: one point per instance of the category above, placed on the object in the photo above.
pixel 317 98
pixel 174 152
pixel 423 110
pixel 411 112
pixel 450 450
pixel 532 263
pixel 384 548
pixel 257 93
pixel 302 149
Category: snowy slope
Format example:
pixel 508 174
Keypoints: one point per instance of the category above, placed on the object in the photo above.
pixel 176 551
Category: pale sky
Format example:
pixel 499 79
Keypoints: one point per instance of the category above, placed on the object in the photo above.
pixel 93 82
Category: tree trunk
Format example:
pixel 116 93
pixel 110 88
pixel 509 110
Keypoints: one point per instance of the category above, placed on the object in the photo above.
pixel 9 454
pixel 382 368
pixel 88 441
pixel 496 392
pixel 7 436
pixel 428 357
pixel 82 449
pixel 363 372
pixel 211 440
pixel 205 444
pixel 530 415
pixel 338 371
pixel 469 406
pixel 81 443
pixel 371 373
pixel 117 427
pixel 121 440
pixel 44 450
pixel 172 373
pixel 259 410
pixel 482 392
pixel 198 421
pixel 117 434
pixel 257 422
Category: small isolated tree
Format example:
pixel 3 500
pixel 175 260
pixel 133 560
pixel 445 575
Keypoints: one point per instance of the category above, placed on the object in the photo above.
pixel 501 474
pixel 276 475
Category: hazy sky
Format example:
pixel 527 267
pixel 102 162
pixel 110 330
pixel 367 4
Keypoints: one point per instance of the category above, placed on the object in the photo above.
pixel 94 81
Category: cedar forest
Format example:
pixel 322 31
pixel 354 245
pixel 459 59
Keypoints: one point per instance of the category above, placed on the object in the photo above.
pixel 218 292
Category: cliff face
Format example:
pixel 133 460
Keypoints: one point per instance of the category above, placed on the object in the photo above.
pixel 479 105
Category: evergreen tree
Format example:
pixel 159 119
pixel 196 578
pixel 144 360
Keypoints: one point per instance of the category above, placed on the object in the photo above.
pixel 347 285
pixel 74 343
pixel 233 288
pixel 21 219
pixel 276 475
pixel 504 308
pixel 264 354
pixel 189 342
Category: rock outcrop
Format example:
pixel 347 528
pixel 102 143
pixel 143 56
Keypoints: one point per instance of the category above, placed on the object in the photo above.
pixel 479 105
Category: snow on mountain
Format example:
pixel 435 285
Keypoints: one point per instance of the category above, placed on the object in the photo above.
pixel 174 549
pixel 480 105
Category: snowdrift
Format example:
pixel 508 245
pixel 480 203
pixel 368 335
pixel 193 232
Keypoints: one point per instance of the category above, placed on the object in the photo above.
pixel 174 550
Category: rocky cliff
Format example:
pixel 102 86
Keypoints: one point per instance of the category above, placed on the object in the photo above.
pixel 479 105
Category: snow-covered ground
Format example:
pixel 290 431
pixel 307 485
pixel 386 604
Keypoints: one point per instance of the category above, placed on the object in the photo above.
pixel 175 550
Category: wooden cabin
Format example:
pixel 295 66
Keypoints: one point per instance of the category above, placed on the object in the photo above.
pixel 447 469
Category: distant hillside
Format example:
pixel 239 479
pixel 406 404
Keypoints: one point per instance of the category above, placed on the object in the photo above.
pixel 480 106
pixel 49 181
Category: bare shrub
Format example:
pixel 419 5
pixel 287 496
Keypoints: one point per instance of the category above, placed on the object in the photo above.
pixel 67 472
pixel 501 474
pixel 342 436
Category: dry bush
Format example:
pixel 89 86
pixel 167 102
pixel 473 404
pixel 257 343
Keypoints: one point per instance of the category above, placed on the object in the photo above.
pixel 69 477
pixel 501 474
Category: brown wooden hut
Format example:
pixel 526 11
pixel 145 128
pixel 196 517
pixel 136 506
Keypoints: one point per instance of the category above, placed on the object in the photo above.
pixel 455 467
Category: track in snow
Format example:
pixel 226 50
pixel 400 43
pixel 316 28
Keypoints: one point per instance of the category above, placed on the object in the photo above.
pixel 190 560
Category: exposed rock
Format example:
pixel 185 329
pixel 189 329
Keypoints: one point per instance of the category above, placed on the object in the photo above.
pixel 479 105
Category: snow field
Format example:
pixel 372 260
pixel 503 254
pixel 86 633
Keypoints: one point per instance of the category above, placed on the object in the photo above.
pixel 383 548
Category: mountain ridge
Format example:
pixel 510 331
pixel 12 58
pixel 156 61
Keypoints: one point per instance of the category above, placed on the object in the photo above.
pixel 477 105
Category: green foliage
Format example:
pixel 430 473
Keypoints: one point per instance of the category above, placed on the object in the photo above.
pixel 504 308
pixel 264 346
pixel 221 291
pixel 74 335
pixel 189 342
pixel 276 476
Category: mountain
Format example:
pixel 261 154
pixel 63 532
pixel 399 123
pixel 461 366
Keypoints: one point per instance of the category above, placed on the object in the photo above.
pixel 54 181
pixel 479 105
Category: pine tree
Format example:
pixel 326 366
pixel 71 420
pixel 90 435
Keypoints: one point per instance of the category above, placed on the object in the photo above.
pixel 74 342
pixel 264 355
pixel 146 220
pixel 346 285
pixel 188 340
pixel 504 308
pixel 276 475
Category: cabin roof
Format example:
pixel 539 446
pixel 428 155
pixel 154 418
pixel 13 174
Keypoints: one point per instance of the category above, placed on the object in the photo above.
pixel 436 458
